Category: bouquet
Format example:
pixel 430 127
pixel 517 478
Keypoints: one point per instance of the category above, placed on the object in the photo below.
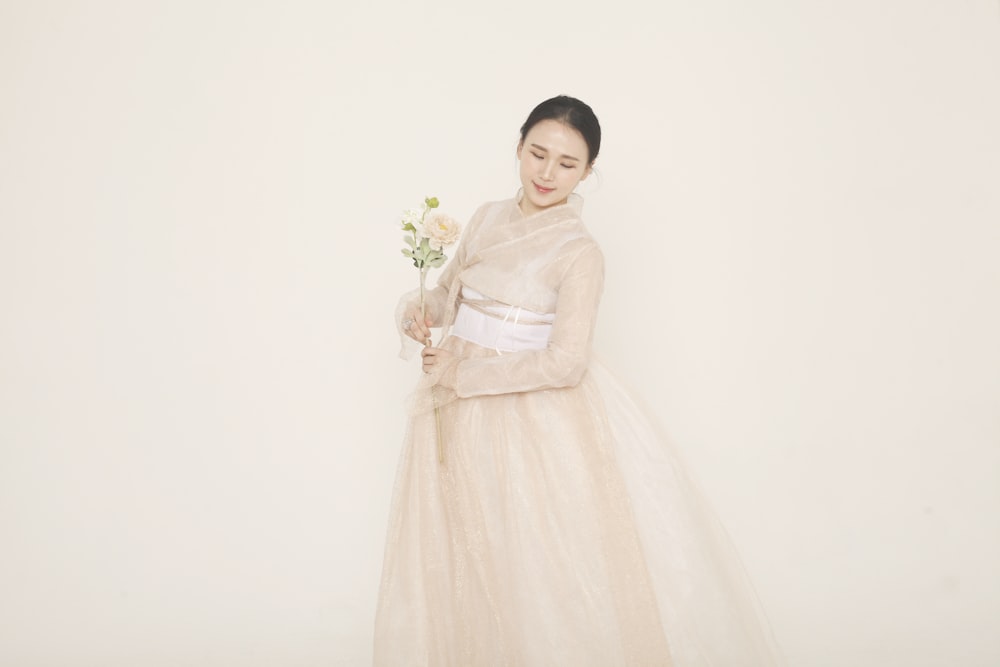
pixel 429 233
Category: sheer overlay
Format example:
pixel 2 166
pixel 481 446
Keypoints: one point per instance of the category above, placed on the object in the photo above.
pixel 561 528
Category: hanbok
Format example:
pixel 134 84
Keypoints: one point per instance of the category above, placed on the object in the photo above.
pixel 559 528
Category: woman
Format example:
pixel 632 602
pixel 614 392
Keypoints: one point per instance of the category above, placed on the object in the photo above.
pixel 557 529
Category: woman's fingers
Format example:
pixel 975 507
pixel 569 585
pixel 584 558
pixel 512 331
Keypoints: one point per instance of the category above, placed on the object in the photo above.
pixel 423 328
pixel 436 358
pixel 432 356
pixel 415 328
pixel 413 331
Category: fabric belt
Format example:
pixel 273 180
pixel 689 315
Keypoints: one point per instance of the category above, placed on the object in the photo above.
pixel 502 328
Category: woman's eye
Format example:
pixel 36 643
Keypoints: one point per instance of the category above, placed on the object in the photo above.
pixel 569 166
pixel 537 155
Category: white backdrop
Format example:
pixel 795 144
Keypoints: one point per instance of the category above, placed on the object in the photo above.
pixel 200 404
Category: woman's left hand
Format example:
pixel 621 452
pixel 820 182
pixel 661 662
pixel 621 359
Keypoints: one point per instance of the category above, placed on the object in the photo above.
pixel 435 358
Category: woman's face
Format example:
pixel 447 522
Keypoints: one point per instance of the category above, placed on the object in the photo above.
pixel 553 159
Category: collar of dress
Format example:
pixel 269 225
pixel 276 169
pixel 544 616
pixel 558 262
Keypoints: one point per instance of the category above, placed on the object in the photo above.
pixel 555 220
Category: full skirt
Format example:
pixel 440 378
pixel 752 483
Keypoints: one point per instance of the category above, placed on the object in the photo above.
pixel 560 529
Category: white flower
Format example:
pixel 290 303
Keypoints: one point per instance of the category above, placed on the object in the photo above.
pixel 440 230
pixel 412 216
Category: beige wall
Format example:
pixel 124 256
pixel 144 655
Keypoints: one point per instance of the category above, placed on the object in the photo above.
pixel 199 398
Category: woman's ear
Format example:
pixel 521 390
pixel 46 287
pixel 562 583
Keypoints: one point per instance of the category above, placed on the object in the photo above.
pixel 517 151
pixel 586 172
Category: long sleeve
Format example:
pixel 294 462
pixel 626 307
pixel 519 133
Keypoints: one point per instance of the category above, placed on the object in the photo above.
pixel 563 362
pixel 432 300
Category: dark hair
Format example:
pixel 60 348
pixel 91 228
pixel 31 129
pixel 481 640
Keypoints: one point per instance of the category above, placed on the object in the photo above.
pixel 572 112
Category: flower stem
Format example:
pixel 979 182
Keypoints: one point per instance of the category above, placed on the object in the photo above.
pixel 427 343
pixel 423 306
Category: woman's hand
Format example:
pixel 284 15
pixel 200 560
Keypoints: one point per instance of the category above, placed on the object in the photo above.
pixel 435 358
pixel 413 327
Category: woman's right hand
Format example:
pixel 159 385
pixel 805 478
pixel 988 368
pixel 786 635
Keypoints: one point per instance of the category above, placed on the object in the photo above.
pixel 413 327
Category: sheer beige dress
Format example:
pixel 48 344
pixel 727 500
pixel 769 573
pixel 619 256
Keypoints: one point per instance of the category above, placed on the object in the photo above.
pixel 560 528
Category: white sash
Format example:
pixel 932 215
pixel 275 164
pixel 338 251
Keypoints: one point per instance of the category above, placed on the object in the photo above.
pixel 500 327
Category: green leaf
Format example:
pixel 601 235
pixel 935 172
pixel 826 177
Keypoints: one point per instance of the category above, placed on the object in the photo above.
pixel 432 202
pixel 408 240
pixel 407 227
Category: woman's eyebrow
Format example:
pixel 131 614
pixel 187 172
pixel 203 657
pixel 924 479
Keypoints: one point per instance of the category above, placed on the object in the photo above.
pixel 565 157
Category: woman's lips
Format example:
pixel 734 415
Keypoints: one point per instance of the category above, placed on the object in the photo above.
pixel 544 191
